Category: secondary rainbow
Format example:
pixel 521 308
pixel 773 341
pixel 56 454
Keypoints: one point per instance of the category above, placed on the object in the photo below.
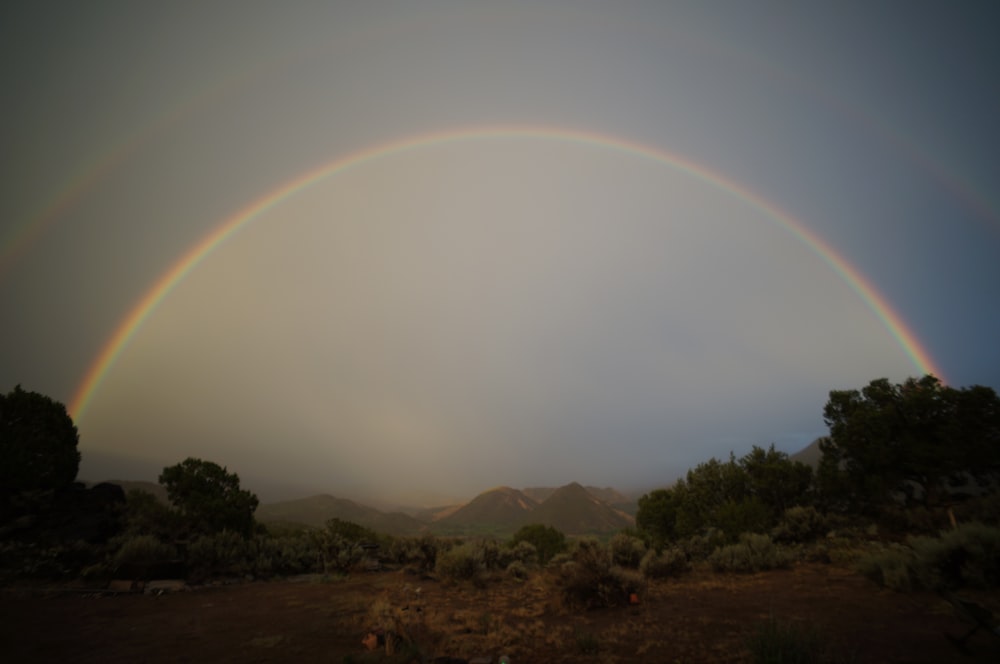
pixel 132 322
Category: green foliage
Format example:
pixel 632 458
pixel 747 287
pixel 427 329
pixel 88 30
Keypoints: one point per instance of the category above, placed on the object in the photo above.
pixel 145 515
pixel 335 553
pixel 968 556
pixel 916 439
pixel 460 563
pixel 800 524
pixel 517 570
pixel 143 550
pixel 670 562
pixel 351 531
pixel 657 516
pixel 753 553
pixel 745 495
pixel 419 551
pixel 547 540
pixel 626 550
pixel 38 443
pixel 892 566
pixel 209 497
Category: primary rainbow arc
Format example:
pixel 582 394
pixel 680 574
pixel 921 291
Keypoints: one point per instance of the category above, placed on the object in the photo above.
pixel 141 311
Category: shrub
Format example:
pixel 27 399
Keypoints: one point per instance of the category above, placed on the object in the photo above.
pixel 754 552
pixel 589 580
pixel 966 556
pixel 699 547
pixel 626 550
pixel 460 563
pixel 517 570
pixel 547 540
pixel 143 549
pixel 522 552
pixel 891 566
pixel 800 524
pixel 670 562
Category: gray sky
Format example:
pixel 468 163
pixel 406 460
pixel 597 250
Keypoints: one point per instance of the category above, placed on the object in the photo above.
pixel 612 294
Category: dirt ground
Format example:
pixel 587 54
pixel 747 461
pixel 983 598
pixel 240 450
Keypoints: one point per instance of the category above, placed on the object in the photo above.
pixel 702 617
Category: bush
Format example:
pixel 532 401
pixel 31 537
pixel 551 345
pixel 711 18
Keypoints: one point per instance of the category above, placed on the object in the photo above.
pixel 517 570
pixel 457 563
pixel 966 556
pixel 589 580
pixel 547 540
pixel 800 524
pixel 522 552
pixel 143 550
pixel 753 553
pixel 699 547
pixel 671 562
pixel 891 566
pixel 626 550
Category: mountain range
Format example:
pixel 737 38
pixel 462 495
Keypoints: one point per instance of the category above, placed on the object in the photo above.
pixel 572 509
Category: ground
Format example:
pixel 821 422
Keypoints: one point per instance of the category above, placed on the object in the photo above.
pixel 701 617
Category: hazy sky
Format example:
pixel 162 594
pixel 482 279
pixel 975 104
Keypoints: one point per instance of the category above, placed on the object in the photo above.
pixel 473 244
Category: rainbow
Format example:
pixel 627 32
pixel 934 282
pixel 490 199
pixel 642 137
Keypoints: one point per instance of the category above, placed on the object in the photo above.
pixel 148 303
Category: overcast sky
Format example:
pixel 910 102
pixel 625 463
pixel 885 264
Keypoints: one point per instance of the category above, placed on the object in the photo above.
pixel 464 244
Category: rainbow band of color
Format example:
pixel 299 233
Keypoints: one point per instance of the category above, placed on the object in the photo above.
pixel 147 304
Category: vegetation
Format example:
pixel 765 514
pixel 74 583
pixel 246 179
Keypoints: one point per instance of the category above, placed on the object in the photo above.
pixel 745 495
pixel 547 540
pixel 209 497
pixel 37 444
pixel 777 642
pixel 920 440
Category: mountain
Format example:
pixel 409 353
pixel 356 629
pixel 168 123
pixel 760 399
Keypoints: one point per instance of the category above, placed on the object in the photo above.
pixel 575 511
pixel 495 511
pixel 606 494
pixel 809 455
pixel 158 490
pixel 315 511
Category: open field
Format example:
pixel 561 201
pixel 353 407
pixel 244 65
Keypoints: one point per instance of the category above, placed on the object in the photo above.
pixel 701 617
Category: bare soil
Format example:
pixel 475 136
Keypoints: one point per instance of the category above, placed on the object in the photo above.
pixel 702 617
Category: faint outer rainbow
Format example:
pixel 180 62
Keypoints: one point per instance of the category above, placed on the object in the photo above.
pixel 128 327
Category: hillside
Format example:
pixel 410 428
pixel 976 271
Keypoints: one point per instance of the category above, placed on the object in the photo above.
pixel 315 511
pixel 575 511
pixel 158 490
pixel 495 511
pixel 606 494
pixel 809 455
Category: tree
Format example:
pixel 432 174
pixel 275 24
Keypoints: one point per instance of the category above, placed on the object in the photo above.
pixel 209 497
pixel 548 541
pixel 916 439
pixel 776 480
pixel 38 443
pixel 657 516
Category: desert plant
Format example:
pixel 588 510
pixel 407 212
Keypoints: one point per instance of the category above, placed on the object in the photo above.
pixel 892 566
pixel 800 524
pixel 460 563
pixel 590 580
pixel 143 549
pixel 668 563
pixel 966 556
pixel 754 552
pixel 547 540
pixel 523 552
pixel 626 550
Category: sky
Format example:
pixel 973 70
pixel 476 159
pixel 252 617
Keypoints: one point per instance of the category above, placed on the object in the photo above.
pixel 404 252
